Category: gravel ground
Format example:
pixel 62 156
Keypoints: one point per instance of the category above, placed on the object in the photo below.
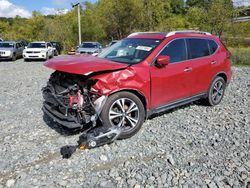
pixel 193 146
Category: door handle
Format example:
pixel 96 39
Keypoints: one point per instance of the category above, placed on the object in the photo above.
pixel 188 69
pixel 213 62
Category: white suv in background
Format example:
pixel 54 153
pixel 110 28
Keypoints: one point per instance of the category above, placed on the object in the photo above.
pixel 38 50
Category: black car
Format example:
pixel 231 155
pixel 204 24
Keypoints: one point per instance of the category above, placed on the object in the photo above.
pixel 24 42
pixel 58 47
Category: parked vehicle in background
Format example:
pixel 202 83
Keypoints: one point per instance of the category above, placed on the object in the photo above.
pixel 38 50
pixel 11 50
pixel 58 47
pixel 143 74
pixel 92 48
pixel 24 42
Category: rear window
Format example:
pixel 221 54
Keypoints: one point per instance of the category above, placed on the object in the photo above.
pixel 198 48
pixel 213 46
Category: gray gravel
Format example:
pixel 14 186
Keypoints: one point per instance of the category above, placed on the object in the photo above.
pixel 193 146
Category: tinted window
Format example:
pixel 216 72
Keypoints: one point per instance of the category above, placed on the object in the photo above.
pixel 176 50
pixel 37 45
pixel 7 45
pixel 88 45
pixel 198 48
pixel 213 46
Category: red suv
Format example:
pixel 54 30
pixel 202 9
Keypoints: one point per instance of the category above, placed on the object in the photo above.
pixel 143 74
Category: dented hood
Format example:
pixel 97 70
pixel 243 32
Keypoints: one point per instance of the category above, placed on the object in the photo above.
pixel 83 65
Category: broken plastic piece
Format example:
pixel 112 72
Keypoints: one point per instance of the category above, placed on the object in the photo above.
pixel 94 138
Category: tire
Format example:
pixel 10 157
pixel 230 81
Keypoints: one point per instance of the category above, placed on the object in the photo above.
pixel 26 60
pixel 119 104
pixel 216 91
pixel 13 57
pixel 47 57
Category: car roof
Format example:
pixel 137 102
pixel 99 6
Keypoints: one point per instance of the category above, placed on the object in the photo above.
pixel 9 41
pixel 162 35
pixel 39 42
pixel 91 42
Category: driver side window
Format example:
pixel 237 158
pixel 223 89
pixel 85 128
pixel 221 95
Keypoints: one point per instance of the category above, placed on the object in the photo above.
pixel 176 50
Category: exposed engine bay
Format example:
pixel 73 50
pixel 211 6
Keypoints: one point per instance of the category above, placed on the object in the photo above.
pixel 69 102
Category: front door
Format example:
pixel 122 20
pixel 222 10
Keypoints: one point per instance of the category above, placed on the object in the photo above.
pixel 172 82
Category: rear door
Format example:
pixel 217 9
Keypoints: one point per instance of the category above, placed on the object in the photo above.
pixel 172 82
pixel 201 63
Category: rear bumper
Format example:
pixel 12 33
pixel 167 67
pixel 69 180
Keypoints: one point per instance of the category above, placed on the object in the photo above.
pixel 67 121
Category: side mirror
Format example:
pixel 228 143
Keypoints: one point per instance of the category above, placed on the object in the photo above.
pixel 25 47
pixel 162 60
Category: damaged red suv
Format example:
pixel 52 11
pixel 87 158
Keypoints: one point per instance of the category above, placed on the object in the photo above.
pixel 143 74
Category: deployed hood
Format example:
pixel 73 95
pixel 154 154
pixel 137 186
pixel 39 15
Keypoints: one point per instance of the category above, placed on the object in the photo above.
pixel 83 65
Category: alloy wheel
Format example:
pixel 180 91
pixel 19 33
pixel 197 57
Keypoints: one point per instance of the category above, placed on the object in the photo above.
pixel 124 113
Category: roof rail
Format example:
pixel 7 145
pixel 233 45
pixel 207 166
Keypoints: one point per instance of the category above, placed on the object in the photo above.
pixel 187 32
pixel 149 32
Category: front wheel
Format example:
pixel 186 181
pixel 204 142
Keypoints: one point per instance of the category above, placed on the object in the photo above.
pixel 216 91
pixel 124 110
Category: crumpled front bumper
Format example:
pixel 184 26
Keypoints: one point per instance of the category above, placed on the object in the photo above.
pixel 67 121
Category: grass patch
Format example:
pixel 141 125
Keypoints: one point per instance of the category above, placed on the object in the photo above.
pixel 240 56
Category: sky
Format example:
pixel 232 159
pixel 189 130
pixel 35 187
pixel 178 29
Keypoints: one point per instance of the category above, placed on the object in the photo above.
pixel 24 8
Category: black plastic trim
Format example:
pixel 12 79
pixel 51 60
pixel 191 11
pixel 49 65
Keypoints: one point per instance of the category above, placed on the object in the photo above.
pixel 60 118
pixel 175 104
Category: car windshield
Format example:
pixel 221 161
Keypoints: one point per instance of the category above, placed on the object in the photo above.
pixel 130 50
pixel 88 45
pixel 36 45
pixel 6 45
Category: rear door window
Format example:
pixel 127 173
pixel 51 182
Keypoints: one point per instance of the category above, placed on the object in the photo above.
pixel 198 48
pixel 176 50
pixel 213 46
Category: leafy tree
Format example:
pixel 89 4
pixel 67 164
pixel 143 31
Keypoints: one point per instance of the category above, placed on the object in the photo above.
pixel 177 6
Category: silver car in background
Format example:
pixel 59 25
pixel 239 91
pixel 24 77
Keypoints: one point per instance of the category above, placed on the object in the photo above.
pixel 92 48
pixel 11 50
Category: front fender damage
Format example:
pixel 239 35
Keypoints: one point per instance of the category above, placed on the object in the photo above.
pixel 114 81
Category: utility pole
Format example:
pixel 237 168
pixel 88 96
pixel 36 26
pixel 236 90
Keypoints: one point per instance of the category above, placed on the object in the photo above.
pixel 79 21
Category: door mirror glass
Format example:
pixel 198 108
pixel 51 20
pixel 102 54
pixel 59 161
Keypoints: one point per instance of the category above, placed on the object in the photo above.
pixel 162 60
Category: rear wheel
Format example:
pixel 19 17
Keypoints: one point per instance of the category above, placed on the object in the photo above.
pixel 216 91
pixel 124 110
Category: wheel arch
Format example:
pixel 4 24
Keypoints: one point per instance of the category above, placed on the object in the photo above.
pixel 221 74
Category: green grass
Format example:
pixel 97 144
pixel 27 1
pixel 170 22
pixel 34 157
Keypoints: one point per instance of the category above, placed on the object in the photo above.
pixel 240 56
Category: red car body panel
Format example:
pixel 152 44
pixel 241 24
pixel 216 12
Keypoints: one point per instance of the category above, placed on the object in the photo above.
pixel 159 86
pixel 82 64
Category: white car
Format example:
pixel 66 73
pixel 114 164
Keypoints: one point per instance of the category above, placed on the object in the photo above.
pixel 38 50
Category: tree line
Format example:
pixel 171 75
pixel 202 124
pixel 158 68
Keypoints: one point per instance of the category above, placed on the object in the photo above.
pixel 106 20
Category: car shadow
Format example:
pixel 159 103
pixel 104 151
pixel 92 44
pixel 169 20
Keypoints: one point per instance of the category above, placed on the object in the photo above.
pixel 64 130
pixel 34 60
